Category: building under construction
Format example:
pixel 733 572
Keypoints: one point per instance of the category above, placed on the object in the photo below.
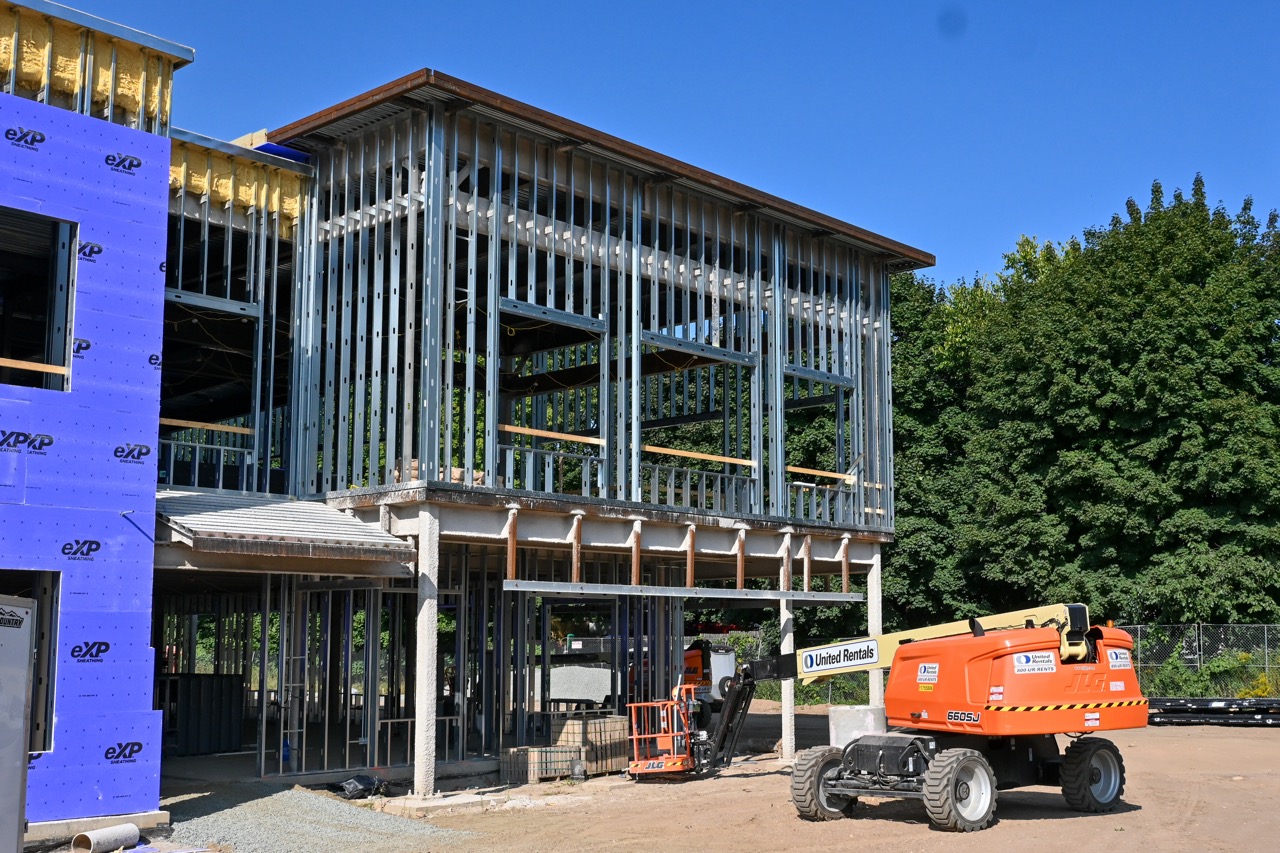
pixel 408 386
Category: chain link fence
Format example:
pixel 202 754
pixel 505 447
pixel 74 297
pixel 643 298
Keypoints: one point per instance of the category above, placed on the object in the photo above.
pixel 1207 661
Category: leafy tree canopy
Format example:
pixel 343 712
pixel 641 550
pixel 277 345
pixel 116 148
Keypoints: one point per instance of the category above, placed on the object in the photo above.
pixel 1101 423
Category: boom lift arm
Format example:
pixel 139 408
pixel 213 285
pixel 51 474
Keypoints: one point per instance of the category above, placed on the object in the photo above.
pixel 876 652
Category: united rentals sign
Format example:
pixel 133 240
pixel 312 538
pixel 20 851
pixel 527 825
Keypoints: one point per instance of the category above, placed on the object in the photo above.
pixel 839 656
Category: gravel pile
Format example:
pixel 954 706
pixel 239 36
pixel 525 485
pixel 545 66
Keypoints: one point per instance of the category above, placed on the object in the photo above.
pixel 258 818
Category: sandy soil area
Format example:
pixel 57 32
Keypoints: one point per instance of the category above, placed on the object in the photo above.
pixel 1188 788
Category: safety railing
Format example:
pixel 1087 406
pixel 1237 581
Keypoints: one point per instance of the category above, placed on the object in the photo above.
pixel 815 502
pixel 552 471
pixel 689 488
pixel 394 743
pixel 209 456
pixel 550 462
pixel 207 466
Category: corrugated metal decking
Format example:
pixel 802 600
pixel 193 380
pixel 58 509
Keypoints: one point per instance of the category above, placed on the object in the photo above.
pixel 247 523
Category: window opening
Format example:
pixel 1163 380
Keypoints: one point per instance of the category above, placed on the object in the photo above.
pixel 36 275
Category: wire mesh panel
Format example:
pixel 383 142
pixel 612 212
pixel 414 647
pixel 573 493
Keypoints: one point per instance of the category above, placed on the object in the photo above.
pixel 1211 661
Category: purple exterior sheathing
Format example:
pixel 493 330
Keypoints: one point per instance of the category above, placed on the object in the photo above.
pixel 80 500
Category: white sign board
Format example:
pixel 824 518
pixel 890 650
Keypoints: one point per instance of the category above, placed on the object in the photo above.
pixel 839 656
pixel 17 644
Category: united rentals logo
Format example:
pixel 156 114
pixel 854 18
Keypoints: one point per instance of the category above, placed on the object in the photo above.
pixel 81 549
pixel 90 251
pixel 123 753
pixel 16 441
pixel 836 656
pixel 133 454
pixel 10 618
pixel 1035 662
pixel 1119 659
pixel 80 346
pixel 90 652
pixel 25 137
pixel 124 163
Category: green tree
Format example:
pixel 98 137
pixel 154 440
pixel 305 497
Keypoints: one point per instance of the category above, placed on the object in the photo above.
pixel 1101 424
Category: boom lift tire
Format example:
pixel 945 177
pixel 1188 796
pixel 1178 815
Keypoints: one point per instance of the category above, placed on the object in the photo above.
pixel 806 785
pixel 960 791
pixel 1092 775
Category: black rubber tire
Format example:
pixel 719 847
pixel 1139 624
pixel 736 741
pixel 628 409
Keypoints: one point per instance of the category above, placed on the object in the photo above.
pixel 703 721
pixel 806 785
pixel 725 683
pixel 1092 775
pixel 960 791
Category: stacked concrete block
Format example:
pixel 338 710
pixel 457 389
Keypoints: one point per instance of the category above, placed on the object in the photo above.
pixel 605 741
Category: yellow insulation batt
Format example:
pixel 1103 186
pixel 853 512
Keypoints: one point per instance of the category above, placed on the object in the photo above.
pixel 155 84
pixel 7 19
pixel 135 67
pixel 164 92
pixel 33 41
pixel 128 79
pixel 66 60
pixel 101 70
pixel 245 183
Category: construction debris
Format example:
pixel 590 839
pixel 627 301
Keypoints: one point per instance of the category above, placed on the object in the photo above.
pixel 1214 712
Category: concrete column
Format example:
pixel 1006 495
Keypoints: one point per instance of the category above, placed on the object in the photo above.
pixel 875 623
pixel 425 690
pixel 788 684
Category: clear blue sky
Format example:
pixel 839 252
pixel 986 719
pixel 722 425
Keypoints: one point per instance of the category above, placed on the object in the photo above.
pixel 951 126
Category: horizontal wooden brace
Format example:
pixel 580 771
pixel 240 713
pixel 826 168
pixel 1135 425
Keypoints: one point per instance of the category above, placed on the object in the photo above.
pixel 35 367
pixel 174 422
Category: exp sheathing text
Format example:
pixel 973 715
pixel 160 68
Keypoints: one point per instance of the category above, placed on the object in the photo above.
pixel 77 496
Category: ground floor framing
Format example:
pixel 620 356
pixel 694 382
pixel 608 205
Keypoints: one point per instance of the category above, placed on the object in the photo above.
pixel 424 631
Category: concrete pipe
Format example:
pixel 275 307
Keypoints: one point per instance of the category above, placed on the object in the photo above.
pixel 108 838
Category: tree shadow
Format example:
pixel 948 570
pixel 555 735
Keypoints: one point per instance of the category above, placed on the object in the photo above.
pixel 1012 806
pixel 200 799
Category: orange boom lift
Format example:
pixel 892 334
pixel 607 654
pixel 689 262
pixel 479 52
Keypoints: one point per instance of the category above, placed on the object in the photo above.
pixel 972 708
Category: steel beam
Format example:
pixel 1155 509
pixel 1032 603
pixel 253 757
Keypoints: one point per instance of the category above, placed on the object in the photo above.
pixel 604 591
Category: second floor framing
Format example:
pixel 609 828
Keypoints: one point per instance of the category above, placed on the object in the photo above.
pixel 498 299
pixel 434 283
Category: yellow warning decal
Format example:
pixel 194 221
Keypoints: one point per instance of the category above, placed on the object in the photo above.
pixel 1083 706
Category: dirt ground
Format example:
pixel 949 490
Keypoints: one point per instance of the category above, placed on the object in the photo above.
pixel 1188 788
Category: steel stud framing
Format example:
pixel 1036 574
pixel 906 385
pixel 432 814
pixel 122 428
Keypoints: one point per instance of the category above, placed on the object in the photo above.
pixel 507 309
